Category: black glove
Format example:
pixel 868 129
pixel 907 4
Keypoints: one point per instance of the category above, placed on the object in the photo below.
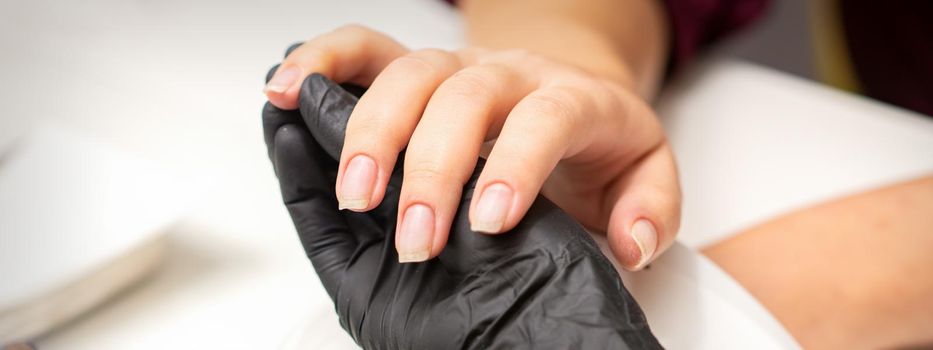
pixel 543 285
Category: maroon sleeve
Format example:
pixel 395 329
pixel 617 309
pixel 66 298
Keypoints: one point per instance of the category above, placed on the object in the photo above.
pixel 891 50
pixel 695 24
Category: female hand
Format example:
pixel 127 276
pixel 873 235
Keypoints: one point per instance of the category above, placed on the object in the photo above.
pixel 588 143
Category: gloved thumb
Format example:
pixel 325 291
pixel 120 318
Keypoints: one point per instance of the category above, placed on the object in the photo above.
pixel 326 108
pixel 306 181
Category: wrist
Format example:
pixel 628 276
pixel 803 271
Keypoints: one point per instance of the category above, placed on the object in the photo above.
pixel 622 41
pixel 577 46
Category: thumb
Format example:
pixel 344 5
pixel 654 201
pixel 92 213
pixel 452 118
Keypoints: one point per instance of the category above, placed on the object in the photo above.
pixel 307 190
pixel 645 213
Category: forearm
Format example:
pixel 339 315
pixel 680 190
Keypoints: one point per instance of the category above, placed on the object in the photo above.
pixel 850 273
pixel 623 40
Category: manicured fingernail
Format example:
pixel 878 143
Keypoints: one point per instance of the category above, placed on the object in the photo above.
pixel 356 188
pixel 492 208
pixel 283 79
pixel 416 234
pixel 645 236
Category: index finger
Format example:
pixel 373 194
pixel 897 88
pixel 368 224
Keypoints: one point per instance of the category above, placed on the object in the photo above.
pixel 352 53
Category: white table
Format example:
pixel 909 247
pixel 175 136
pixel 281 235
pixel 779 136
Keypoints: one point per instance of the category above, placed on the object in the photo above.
pixel 179 82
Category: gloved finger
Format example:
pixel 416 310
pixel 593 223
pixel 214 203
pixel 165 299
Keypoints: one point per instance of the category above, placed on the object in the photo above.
pixel 383 121
pixel 307 190
pixel 464 252
pixel 543 128
pixel 292 47
pixel 274 118
pixel 645 214
pixel 326 108
pixel 271 72
pixel 348 54
pixel 465 110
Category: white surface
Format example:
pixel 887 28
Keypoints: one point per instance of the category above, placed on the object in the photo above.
pixel 180 82
pixel 752 144
pixel 68 205
pixel 692 304
pixel 69 209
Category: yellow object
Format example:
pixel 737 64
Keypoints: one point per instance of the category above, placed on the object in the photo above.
pixel 833 63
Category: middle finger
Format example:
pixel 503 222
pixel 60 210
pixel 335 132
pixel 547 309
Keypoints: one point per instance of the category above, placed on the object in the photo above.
pixel 382 123
pixel 464 111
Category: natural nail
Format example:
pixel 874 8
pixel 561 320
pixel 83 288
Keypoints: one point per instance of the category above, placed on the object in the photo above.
pixel 646 238
pixel 416 234
pixel 492 208
pixel 283 79
pixel 356 188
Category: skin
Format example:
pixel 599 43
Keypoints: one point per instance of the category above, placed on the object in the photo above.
pixel 565 114
pixel 860 277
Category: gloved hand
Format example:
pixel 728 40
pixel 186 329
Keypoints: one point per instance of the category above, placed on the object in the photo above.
pixel 543 285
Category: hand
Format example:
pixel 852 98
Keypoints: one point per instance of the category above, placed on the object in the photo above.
pixel 590 144
pixel 544 285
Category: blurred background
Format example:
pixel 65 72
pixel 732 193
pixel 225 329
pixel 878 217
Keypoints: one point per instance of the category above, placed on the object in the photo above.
pixel 179 85
pixel 176 86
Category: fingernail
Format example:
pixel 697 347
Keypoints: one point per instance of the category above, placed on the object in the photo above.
pixel 645 236
pixel 356 188
pixel 492 208
pixel 416 234
pixel 282 79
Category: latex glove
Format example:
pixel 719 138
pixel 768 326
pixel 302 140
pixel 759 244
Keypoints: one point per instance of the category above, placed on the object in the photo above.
pixel 544 285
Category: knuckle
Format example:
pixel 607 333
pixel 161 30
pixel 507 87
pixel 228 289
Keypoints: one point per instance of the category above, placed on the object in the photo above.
pixel 432 61
pixel 355 37
pixel 518 55
pixel 317 52
pixel 375 134
pixel 505 166
pixel 410 63
pixel 364 131
pixel 561 108
pixel 522 59
pixel 471 84
pixel 314 53
pixel 432 55
pixel 426 172
pixel 354 29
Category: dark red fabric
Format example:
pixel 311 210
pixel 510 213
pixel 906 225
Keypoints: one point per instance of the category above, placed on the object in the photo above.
pixel 697 24
pixel 891 47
